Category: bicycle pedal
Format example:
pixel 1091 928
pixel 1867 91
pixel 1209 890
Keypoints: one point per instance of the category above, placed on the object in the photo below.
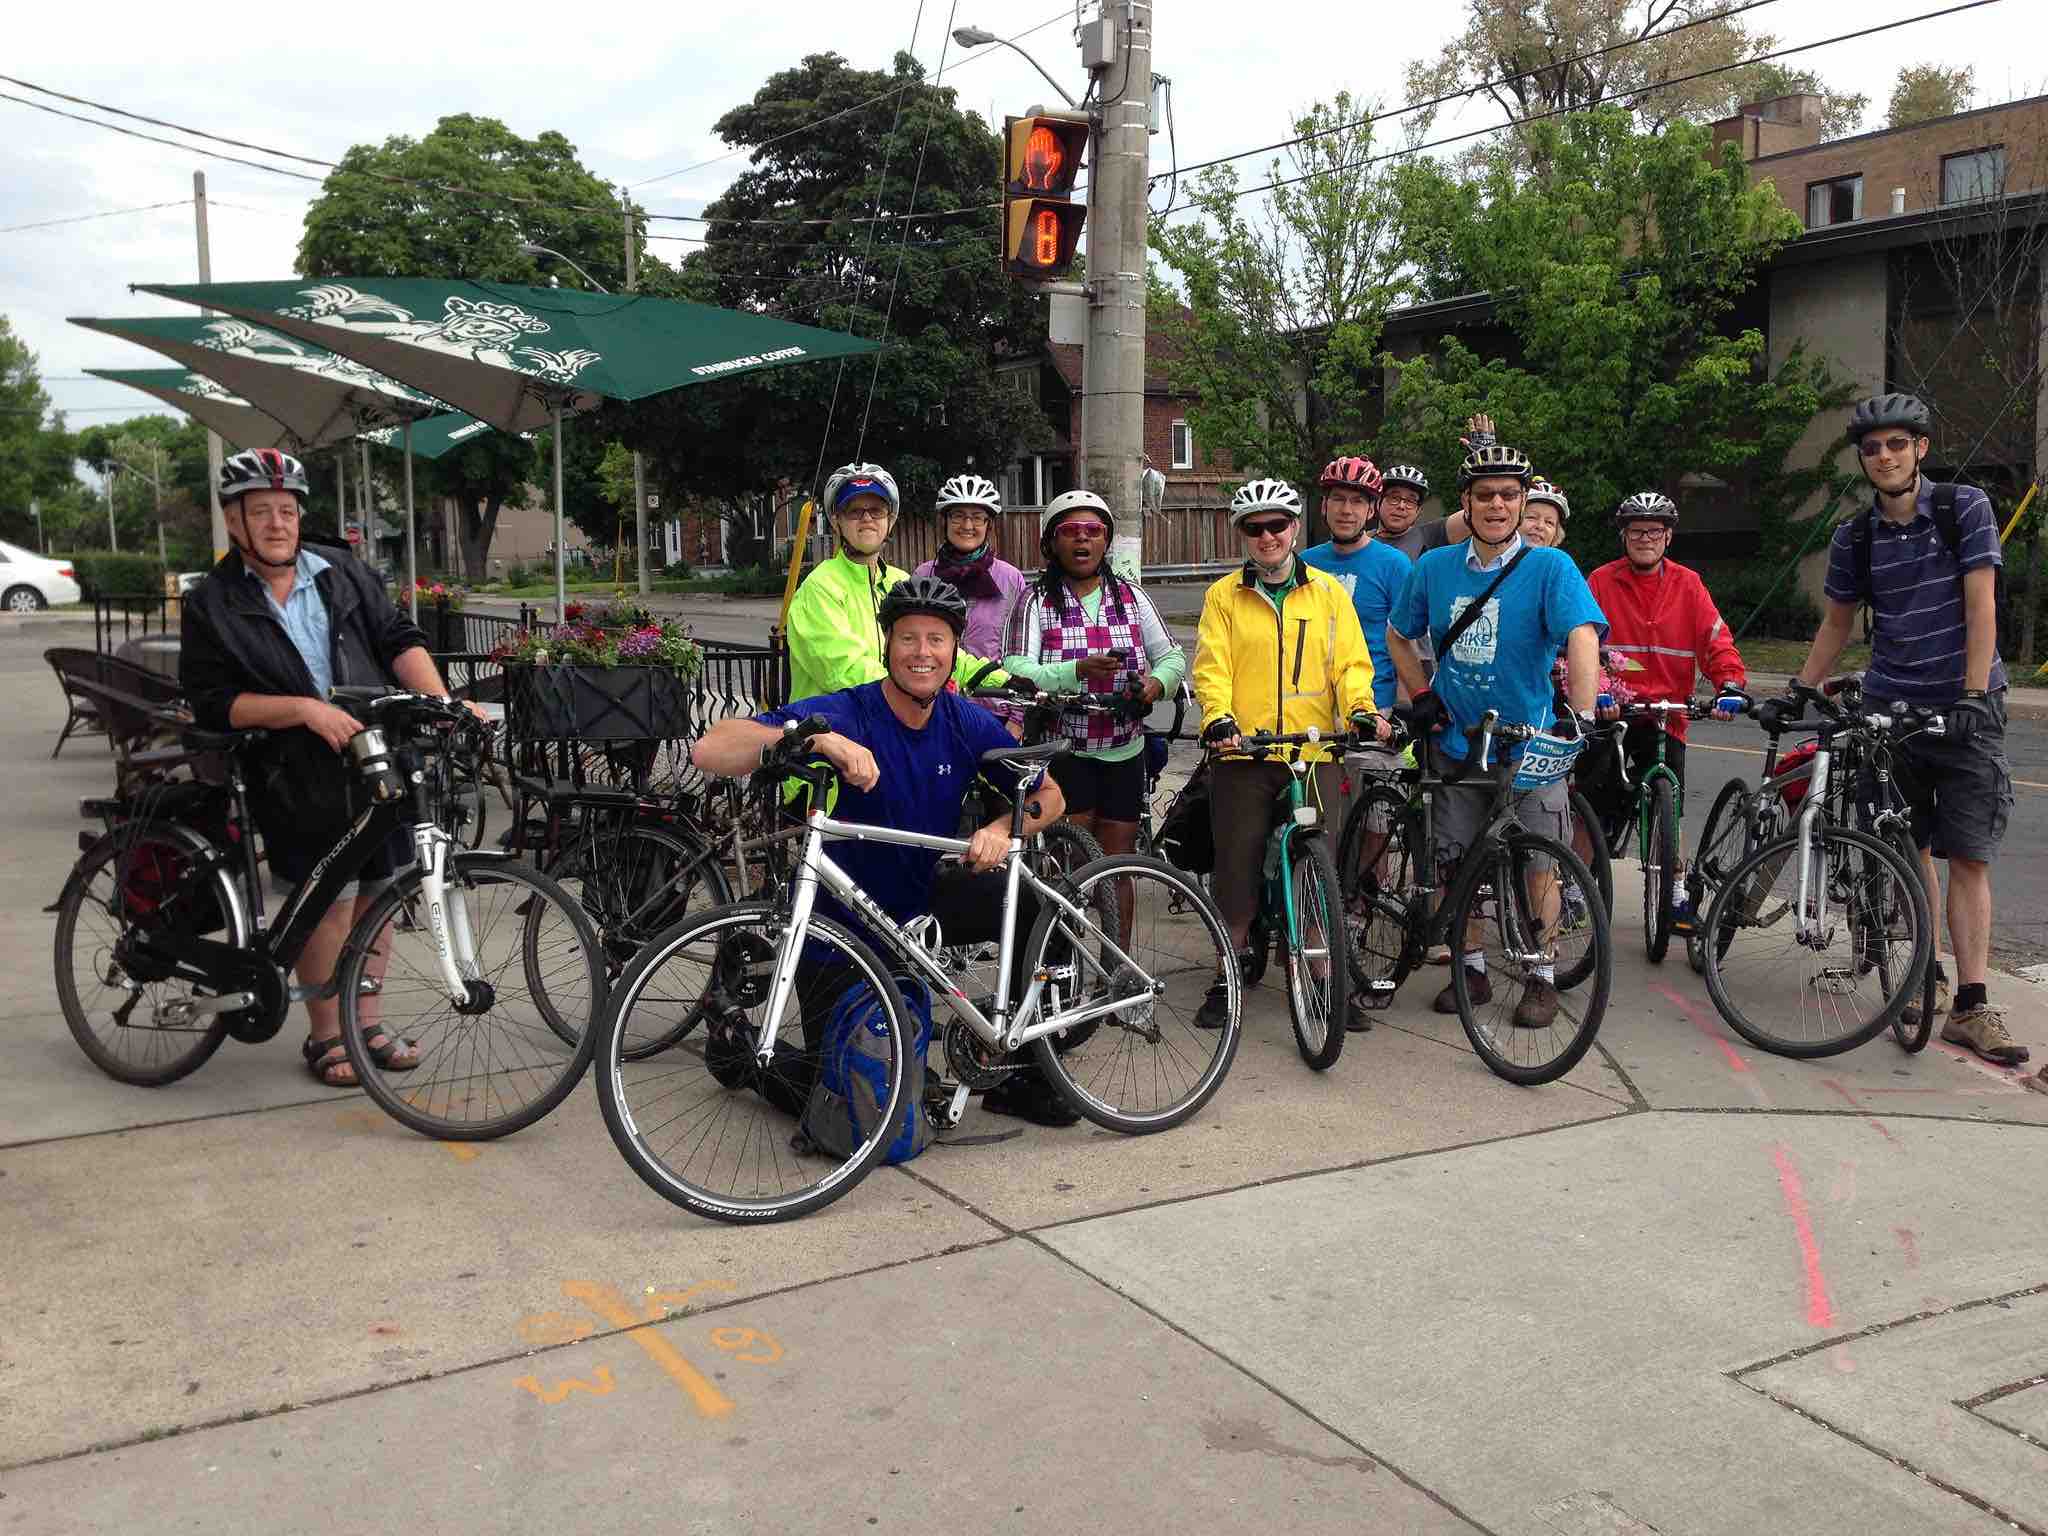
pixel 1377 997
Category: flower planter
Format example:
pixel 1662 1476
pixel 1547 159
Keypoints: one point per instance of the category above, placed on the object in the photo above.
pixel 576 702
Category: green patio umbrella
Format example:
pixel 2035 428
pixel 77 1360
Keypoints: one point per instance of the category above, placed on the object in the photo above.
pixel 319 397
pixel 516 356
pixel 213 407
pixel 433 437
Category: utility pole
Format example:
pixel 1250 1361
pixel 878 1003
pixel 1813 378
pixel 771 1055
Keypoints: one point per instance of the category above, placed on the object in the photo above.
pixel 1113 363
pixel 113 542
pixel 220 524
pixel 639 470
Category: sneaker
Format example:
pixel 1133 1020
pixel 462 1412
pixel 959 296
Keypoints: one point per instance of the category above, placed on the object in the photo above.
pixel 728 1050
pixel 1681 911
pixel 1357 1017
pixel 1482 992
pixel 1944 996
pixel 1982 1029
pixel 1029 1096
pixel 1215 1010
pixel 1538 1007
pixel 1439 954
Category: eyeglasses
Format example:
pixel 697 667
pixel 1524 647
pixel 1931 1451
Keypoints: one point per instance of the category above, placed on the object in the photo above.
pixel 1267 530
pixel 865 514
pixel 1645 535
pixel 1871 447
pixel 966 515
pixel 1511 494
pixel 1081 529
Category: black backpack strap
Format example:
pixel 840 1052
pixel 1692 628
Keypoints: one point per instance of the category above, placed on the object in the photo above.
pixel 1945 516
pixel 1473 609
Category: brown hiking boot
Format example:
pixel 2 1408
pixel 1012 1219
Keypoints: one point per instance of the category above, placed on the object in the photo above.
pixel 1982 1029
pixel 1944 997
pixel 1538 1007
pixel 1481 989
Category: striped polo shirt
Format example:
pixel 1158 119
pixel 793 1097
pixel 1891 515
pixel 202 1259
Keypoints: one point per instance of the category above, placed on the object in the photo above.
pixel 1916 595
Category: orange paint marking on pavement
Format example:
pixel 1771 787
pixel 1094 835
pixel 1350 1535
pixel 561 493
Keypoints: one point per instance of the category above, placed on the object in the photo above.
pixel 609 1304
pixel 737 1342
pixel 676 1301
pixel 1735 1061
pixel 600 1385
pixel 1820 1313
pixel 462 1151
pixel 1849 1098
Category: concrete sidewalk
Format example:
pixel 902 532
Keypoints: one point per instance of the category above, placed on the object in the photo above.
pixel 1692 1288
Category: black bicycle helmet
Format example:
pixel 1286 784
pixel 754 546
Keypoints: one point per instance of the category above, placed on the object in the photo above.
pixel 923 594
pixel 1880 411
pixel 1496 459
pixel 261 469
pixel 1646 507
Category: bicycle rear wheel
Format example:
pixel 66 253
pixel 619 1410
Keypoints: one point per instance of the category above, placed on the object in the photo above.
pixel 1727 839
pixel 1805 990
pixel 126 1013
pixel 1914 1033
pixel 1590 844
pixel 1660 869
pixel 1374 866
pixel 501 1059
pixel 699 1120
pixel 1534 903
pixel 1149 1066
pixel 1319 965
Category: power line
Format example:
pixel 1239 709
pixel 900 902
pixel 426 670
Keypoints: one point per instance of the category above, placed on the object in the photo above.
pixel 190 149
pixel 894 90
pixel 1537 117
pixel 82 218
pixel 1482 85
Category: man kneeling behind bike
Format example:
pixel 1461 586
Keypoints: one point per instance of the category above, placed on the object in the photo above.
pixel 907 752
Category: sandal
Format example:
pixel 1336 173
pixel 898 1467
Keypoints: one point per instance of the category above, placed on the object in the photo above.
pixel 386 1055
pixel 326 1057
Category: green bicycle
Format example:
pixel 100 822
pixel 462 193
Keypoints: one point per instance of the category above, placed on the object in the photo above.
pixel 1301 904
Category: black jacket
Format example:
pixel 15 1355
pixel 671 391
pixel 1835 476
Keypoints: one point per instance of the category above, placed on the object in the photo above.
pixel 234 643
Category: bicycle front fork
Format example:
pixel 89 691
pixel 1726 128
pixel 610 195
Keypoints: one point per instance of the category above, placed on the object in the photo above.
pixel 447 912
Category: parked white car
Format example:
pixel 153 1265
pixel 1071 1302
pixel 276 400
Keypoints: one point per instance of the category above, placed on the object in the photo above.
pixel 30 581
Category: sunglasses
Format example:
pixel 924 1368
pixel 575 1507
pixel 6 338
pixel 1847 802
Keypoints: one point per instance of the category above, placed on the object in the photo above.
pixel 1081 529
pixel 1871 447
pixel 1482 497
pixel 1267 530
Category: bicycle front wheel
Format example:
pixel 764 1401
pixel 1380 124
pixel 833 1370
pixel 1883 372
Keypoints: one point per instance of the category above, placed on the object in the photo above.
pixel 1549 958
pixel 1318 963
pixel 1660 869
pixel 1913 1033
pixel 500 1059
pixel 679 1078
pixel 1375 869
pixel 1590 844
pixel 1725 842
pixel 1823 978
pixel 1149 1065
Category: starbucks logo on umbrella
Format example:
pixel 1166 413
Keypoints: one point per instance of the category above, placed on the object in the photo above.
pixel 557 367
pixel 480 326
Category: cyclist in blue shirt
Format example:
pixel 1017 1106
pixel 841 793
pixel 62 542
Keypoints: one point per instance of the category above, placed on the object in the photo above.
pixel 907 751
pixel 1502 661
pixel 1372 572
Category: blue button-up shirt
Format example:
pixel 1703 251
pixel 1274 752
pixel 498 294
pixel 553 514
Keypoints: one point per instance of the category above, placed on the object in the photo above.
pixel 304 616
pixel 1507 553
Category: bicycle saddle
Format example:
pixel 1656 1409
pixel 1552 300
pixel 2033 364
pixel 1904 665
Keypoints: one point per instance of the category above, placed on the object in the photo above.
pixel 1030 752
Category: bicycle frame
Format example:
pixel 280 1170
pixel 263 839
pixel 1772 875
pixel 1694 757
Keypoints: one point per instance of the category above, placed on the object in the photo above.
pixel 1007 1031
pixel 1278 885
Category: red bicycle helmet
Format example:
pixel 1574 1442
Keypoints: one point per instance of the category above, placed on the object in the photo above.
pixel 1361 474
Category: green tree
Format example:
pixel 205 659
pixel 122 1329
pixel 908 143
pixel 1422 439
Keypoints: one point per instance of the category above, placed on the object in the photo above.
pixel 1270 311
pixel 1531 57
pixel 143 453
pixel 794 235
pixel 35 450
pixel 1616 279
pixel 487 192
pixel 1927 91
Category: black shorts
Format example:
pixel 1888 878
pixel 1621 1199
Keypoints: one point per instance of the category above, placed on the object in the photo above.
pixel 1960 791
pixel 1598 781
pixel 291 862
pixel 1113 791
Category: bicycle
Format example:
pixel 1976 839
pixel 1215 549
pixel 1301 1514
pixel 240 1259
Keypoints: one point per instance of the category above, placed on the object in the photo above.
pixel 456 930
pixel 1301 903
pixel 1532 894
pixel 719 991
pixel 1845 884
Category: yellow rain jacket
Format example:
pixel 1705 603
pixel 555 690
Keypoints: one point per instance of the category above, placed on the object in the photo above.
pixel 1282 666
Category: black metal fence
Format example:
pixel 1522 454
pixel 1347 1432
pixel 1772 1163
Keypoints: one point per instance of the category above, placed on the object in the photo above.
pixel 115 619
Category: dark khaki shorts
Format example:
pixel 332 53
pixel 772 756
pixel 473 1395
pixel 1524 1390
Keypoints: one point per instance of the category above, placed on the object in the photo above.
pixel 1960 791
pixel 1241 799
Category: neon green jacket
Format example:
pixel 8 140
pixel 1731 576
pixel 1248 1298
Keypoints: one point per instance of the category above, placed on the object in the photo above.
pixel 834 637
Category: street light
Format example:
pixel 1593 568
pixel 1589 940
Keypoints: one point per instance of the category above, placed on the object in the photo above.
pixel 975 37
pixel 528 248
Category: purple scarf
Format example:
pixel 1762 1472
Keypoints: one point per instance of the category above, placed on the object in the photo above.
pixel 970 574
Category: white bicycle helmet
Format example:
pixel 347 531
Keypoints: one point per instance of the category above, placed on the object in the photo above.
pixel 1405 474
pixel 1264 496
pixel 1542 490
pixel 261 469
pixel 1072 501
pixel 862 479
pixel 970 491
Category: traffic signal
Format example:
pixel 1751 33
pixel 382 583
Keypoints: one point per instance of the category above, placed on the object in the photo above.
pixel 1041 220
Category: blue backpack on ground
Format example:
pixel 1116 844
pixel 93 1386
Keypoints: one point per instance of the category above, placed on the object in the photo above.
pixel 853 1080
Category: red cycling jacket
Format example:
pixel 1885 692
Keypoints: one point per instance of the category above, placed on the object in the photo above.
pixel 1666 623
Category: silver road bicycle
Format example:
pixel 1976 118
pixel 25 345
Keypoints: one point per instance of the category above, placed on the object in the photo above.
pixel 715 1038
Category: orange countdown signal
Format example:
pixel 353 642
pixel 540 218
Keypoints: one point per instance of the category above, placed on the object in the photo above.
pixel 1041 223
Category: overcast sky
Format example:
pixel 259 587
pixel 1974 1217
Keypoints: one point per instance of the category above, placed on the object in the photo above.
pixel 637 90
